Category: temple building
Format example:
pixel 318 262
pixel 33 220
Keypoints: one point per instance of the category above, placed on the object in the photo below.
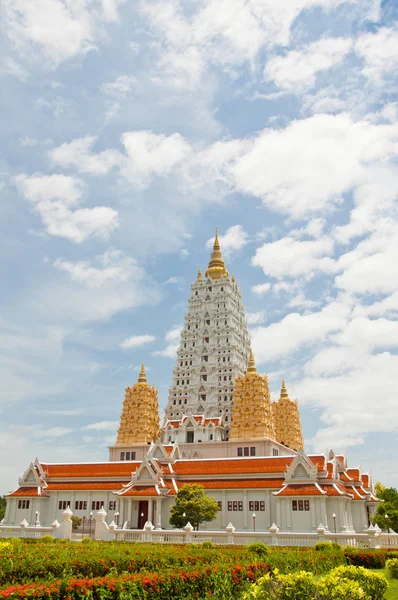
pixel 221 430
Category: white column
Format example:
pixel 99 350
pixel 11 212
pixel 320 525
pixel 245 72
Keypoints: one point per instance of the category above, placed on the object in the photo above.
pixel 245 509
pixel 288 508
pixel 313 514
pixel 342 516
pixel 150 510
pixel 278 513
pixel 224 509
pixel 158 513
pixel 268 520
pixel 324 517
pixel 56 506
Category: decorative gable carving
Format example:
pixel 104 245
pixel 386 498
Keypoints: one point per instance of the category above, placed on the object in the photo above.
pixel 301 468
pixel 31 476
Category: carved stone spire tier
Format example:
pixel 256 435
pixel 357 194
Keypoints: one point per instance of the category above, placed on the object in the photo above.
pixel 213 351
pixel 287 421
pixel 251 412
pixel 139 421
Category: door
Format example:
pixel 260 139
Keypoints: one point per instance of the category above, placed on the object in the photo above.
pixel 142 513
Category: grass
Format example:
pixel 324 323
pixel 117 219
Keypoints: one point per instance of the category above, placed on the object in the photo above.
pixel 392 590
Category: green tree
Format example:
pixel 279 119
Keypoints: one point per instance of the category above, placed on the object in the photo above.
pixel 2 507
pixel 192 505
pixel 76 522
pixel 388 507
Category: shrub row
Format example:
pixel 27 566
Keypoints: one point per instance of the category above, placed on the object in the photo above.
pixel 342 583
pixel 392 566
pixel 177 584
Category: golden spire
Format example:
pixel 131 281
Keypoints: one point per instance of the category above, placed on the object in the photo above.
pixel 233 278
pixel 284 393
pixel 251 367
pixel 142 375
pixel 199 277
pixel 216 268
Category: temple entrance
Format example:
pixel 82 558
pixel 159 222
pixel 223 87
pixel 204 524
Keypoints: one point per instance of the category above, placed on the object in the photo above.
pixel 142 513
pixel 190 436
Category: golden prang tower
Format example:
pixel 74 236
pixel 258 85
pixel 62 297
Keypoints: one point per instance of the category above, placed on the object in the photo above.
pixel 139 421
pixel 251 410
pixel 287 421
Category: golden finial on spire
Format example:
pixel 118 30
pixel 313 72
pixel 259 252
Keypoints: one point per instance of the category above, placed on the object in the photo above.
pixel 199 277
pixel 233 278
pixel 251 367
pixel 142 375
pixel 216 268
pixel 284 393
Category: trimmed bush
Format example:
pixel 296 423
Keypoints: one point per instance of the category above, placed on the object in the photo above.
pixel 259 548
pixel 207 545
pixel 392 566
pixel 373 584
pixel 371 559
pixel 325 546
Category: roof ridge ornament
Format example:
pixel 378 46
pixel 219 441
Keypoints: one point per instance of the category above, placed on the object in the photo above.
pixel 216 269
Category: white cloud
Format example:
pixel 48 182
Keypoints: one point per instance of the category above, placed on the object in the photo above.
pixel 256 318
pixel 98 289
pixel 297 70
pixel 295 331
pixel 173 337
pixel 149 154
pixel 289 169
pixel 122 87
pixel 219 33
pixel 234 239
pixel 261 288
pixel 78 153
pixel 54 196
pixel 380 53
pixel 135 341
pixel 371 268
pixel 52 432
pixel 56 29
pixel 60 29
pixel 288 257
pixel 102 426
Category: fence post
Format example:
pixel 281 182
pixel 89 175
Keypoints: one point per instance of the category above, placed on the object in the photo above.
pixel 188 533
pixel 274 534
pixel 101 526
pixel 372 535
pixel 230 533
pixel 321 531
pixel 148 528
pixel 64 530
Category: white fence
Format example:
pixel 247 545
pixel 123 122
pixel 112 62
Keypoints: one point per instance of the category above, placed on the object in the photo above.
pixel 373 537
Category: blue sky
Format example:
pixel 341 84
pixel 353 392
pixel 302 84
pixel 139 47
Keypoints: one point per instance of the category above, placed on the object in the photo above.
pixel 129 131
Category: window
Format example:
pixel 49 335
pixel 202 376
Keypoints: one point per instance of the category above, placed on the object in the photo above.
pixel 235 505
pixel 204 377
pixel 206 339
pixel 122 455
pixel 306 505
pixel 229 505
pixel 205 358
pixel 96 504
pixel 275 452
pixel 127 455
pixel 207 321
pixel 23 504
pixel 246 451
pixel 81 505
pixel 240 505
pixel 219 505
pixel 252 452
pixel 294 505
pixel 240 451
pixel 63 504
pixel 112 505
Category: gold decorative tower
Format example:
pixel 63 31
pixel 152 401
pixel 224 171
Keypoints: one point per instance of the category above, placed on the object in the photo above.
pixel 216 268
pixel 251 409
pixel 139 421
pixel 287 421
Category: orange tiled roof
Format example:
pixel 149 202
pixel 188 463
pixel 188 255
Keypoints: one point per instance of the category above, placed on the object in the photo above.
pixel 365 480
pixel 142 491
pixel 334 490
pixel 232 466
pixel 238 484
pixel 300 490
pixel 345 477
pixel 77 470
pixel 87 485
pixel 354 474
pixel 28 492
